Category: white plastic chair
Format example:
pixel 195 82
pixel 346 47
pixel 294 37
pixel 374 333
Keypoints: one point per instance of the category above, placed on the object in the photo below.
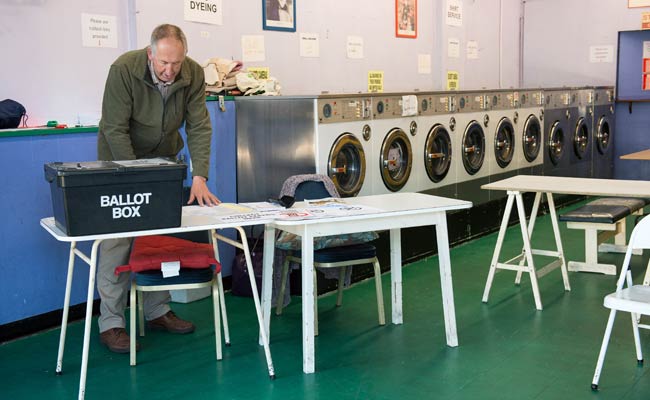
pixel 634 299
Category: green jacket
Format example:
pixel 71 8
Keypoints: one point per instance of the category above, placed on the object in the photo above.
pixel 136 124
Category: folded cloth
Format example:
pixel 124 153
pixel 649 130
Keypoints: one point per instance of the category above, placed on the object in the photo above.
pixel 148 252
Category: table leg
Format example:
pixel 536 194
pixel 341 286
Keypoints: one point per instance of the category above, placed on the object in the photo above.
pixel 267 278
pixel 89 315
pixel 531 227
pixel 497 248
pixel 528 252
pixel 558 241
pixel 308 356
pixel 396 275
pixel 66 307
pixel 256 300
pixel 444 259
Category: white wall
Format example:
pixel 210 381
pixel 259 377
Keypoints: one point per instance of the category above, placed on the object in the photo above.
pixel 558 34
pixel 56 78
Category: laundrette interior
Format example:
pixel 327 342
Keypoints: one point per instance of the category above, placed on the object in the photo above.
pixel 475 92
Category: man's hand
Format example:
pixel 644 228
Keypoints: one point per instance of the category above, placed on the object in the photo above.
pixel 201 193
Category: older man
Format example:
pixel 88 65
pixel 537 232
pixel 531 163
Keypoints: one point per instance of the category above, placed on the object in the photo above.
pixel 149 93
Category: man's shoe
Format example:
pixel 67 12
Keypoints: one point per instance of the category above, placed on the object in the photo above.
pixel 171 323
pixel 117 340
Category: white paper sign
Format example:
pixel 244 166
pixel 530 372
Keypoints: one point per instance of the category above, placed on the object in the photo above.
pixel 424 63
pixel 98 30
pixel 646 49
pixel 454 13
pixel 472 50
pixel 601 54
pixel 409 105
pixel 355 47
pixel 206 11
pixel 453 47
pixel 252 47
pixel 170 268
pixel 309 45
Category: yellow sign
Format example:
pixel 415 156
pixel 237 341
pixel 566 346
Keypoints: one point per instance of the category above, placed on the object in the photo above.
pixel 452 80
pixel 375 81
pixel 645 20
pixel 261 73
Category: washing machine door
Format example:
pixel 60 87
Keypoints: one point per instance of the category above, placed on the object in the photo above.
pixel 532 137
pixel 504 142
pixel 437 153
pixel 473 147
pixel 603 134
pixel 555 142
pixel 395 159
pixel 581 138
pixel 346 165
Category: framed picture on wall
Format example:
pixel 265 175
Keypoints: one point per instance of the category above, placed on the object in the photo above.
pixel 406 18
pixel 279 15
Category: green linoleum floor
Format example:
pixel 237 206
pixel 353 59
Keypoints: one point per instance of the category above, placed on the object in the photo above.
pixel 508 350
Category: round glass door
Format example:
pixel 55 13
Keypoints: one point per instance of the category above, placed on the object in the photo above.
pixel 395 160
pixel 556 143
pixel 581 138
pixel 346 165
pixel 603 135
pixel 504 142
pixel 437 153
pixel 473 152
pixel 532 138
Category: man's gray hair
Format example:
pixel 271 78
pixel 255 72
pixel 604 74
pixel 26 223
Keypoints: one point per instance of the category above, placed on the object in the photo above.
pixel 167 31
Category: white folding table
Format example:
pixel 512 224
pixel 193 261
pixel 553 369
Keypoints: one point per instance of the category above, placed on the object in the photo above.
pixel 192 221
pixel 393 212
pixel 548 185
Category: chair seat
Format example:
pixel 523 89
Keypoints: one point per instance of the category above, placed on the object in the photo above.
pixel 635 299
pixel 185 276
pixel 343 253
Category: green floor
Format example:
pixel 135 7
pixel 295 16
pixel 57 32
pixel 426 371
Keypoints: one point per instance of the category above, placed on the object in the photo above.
pixel 508 350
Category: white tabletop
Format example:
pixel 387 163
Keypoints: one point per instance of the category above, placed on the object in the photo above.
pixel 194 218
pixel 401 203
pixel 566 185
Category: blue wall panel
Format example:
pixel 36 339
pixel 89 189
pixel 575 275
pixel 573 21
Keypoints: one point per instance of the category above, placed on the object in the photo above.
pixel 32 263
pixel 631 134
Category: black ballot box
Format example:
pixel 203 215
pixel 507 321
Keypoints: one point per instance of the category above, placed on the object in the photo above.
pixel 116 196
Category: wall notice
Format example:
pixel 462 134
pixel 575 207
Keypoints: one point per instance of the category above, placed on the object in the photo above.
pixel 601 54
pixel 454 13
pixel 472 50
pixel 453 47
pixel 98 30
pixel 205 11
pixel 309 45
pixel 355 47
pixel 638 3
pixel 424 63
pixel 252 48
pixel 452 80
pixel 375 81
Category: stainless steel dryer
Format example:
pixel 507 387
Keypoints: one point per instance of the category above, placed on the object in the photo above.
pixel 393 146
pixel 344 149
pixel 557 134
pixel 530 137
pixel 503 139
pixel 603 131
pixel 472 127
pixel 581 109
pixel 436 153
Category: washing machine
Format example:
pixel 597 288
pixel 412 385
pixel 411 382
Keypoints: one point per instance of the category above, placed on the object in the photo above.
pixel 393 145
pixel 557 134
pixel 435 150
pixel 472 133
pixel 603 133
pixel 581 109
pixel 530 137
pixel 344 149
